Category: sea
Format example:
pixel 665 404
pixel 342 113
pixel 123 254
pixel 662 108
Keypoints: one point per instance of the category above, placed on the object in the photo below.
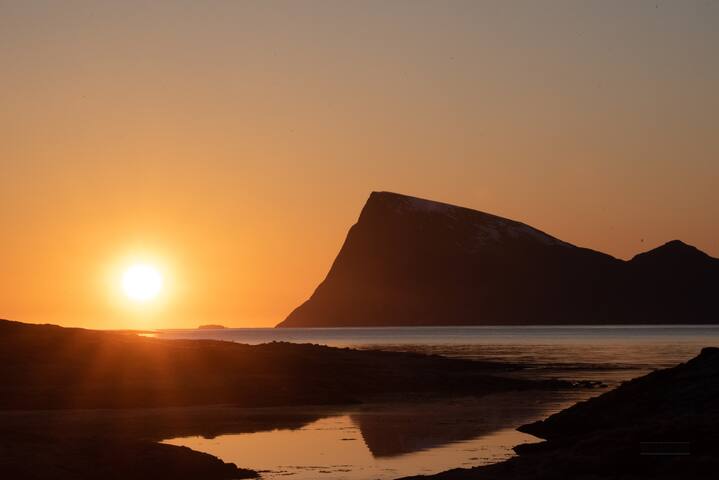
pixel 388 441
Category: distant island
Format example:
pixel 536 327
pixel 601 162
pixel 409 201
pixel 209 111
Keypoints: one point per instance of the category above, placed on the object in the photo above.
pixel 410 261
pixel 211 327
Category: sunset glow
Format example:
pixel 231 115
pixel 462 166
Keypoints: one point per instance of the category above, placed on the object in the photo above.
pixel 355 239
pixel 142 282
pixel 240 141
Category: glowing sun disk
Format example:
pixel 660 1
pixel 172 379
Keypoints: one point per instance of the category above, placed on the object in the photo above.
pixel 142 282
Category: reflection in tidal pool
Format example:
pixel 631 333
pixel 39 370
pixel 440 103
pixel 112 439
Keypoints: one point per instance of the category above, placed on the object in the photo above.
pixel 390 441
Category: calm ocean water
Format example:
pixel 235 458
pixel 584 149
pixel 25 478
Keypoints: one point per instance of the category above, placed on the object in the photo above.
pixel 608 352
pixel 389 441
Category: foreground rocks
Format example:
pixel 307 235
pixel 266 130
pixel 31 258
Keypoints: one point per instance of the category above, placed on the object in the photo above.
pixel 663 425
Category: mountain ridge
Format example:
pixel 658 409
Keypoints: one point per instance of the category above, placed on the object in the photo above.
pixel 412 261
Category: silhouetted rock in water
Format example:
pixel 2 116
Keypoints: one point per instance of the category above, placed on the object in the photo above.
pixel 44 366
pixel 211 327
pixel 663 425
pixel 409 261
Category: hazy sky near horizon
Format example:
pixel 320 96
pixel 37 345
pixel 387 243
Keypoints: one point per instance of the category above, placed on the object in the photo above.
pixel 234 143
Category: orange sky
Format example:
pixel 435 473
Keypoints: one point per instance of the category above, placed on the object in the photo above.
pixel 234 143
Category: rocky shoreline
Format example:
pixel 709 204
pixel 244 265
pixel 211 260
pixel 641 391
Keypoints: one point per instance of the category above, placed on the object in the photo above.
pixel 663 425
pixel 53 380
pixel 78 404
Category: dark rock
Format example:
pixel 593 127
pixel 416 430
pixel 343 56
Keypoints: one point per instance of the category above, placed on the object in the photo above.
pixel 27 458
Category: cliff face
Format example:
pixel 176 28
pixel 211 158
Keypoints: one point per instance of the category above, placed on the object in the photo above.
pixel 409 261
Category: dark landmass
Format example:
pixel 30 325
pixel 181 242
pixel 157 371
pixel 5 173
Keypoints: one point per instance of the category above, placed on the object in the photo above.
pixel 663 425
pixel 50 376
pixel 409 261
pixel 44 458
pixel 121 443
pixel 50 367
pixel 211 327
pixel 156 424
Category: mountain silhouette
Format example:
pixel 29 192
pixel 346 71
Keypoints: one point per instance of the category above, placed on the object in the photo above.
pixel 410 261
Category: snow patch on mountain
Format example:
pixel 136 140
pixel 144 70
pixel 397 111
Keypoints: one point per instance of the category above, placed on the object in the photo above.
pixel 498 229
pixel 415 204
pixel 489 228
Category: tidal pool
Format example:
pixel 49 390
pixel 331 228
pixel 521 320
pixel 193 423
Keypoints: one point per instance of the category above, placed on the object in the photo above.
pixel 386 441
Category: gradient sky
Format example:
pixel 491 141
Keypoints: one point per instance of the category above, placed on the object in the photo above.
pixel 234 143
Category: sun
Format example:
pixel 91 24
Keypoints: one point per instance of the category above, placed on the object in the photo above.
pixel 142 282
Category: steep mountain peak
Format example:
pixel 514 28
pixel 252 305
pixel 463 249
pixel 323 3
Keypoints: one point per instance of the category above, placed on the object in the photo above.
pixel 412 261
pixel 400 202
pixel 488 228
pixel 389 204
